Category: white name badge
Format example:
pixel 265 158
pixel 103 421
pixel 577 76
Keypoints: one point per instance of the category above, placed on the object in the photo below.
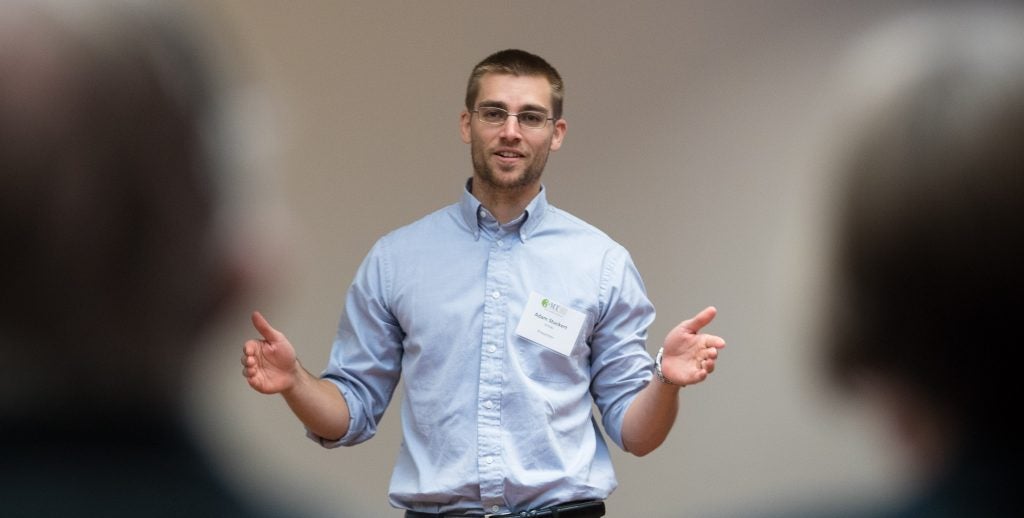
pixel 550 324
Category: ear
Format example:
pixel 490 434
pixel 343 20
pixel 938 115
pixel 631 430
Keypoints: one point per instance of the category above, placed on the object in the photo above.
pixel 464 126
pixel 559 134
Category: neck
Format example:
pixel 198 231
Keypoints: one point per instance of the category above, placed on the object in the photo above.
pixel 504 204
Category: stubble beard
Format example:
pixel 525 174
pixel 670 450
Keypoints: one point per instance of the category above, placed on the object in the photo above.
pixel 487 175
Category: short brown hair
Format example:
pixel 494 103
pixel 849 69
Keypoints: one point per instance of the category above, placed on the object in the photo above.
pixel 518 63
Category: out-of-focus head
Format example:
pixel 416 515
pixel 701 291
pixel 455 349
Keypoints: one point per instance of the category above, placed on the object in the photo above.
pixel 111 192
pixel 518 63
pixel 928 250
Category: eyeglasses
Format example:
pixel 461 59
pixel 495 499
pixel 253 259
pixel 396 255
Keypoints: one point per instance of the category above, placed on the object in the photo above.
pixel 497 117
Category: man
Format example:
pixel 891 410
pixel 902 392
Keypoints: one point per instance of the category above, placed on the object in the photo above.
pixel 509 319
pixel 927 310
pixel 111 215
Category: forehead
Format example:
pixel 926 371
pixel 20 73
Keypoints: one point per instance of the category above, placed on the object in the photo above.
pixel 515 91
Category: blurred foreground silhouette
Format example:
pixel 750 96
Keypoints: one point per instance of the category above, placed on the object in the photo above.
pixel 112 215
pixel 928 251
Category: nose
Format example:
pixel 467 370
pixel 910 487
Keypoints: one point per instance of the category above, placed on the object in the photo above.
pixel 510 130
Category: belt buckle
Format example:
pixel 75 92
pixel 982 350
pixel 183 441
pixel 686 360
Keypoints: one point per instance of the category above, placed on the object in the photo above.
pixel 500 515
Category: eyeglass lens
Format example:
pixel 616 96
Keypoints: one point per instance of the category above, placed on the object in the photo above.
pixel 498 116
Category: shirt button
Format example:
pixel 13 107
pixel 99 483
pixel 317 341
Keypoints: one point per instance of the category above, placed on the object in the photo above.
pixel 488 404
pixel 494 508
pixel 490 460
pixel 491 349
pixel 496 294
pixel 500 242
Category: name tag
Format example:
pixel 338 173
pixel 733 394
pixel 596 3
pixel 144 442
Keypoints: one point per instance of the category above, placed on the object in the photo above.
pixel 550 324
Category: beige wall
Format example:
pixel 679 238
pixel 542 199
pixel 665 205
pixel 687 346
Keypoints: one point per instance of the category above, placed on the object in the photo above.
pixel 696 139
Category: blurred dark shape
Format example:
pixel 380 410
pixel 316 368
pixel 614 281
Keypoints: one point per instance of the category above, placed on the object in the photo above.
pixel 928 254
pixel 111 197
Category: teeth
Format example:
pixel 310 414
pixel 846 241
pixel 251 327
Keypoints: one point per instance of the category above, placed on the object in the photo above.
pixel 508 154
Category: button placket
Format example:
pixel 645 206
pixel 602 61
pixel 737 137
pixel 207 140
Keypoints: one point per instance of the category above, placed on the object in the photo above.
pixel 490 467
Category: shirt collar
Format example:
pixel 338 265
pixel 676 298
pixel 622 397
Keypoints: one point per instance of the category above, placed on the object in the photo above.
pixel 471 210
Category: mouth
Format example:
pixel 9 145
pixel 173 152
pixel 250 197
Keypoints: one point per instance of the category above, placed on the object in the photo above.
pixel 508 158
pixel 509 154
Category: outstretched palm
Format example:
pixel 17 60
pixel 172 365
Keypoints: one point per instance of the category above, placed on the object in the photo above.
pixel 268 364
pixel 689 355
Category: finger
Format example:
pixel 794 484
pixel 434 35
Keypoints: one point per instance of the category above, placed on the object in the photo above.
pixel 261 325
pixel 700 320
pixel 249 347
pixel 709 366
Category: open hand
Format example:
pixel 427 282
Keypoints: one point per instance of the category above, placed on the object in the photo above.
pixel 689 355
pixel 269 364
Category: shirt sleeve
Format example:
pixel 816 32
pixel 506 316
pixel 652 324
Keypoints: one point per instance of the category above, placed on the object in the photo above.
pixel 366 358
pixel 620 365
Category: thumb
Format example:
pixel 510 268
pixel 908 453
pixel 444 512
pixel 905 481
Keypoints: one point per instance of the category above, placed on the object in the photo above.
pixel 269 333
pixel 695 324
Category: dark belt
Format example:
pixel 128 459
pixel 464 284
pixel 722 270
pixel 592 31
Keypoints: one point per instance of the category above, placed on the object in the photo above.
pixel 571 510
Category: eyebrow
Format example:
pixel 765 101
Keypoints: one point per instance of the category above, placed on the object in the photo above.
pixel 525 108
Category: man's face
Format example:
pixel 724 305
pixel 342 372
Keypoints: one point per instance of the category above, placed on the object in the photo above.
pixel 510 157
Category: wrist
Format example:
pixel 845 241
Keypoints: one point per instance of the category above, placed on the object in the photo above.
pixel 658 372
pixel 298 379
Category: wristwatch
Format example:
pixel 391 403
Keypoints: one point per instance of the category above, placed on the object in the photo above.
pixel 657 368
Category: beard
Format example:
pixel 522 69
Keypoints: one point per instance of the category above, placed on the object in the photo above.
pixel 498 182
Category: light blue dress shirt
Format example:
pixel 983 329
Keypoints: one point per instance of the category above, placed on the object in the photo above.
pixel 492 422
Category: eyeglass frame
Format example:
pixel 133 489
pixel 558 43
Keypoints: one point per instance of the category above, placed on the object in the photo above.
pixel 510 114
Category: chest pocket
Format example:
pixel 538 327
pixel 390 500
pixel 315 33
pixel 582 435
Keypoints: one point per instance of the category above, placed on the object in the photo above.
pixel 542 364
